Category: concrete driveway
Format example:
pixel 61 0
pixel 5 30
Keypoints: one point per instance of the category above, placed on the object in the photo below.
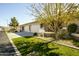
pixel 19 34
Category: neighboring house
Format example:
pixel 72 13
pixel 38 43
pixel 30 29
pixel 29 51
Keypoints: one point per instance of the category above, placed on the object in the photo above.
pixel 1 28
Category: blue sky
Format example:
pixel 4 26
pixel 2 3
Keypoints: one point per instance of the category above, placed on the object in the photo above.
pixel 18 10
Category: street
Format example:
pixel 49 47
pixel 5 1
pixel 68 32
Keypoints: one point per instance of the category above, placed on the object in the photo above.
pixel 6 48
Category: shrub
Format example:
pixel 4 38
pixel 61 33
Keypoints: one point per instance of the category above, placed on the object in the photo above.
pixel 35 34
pixel 72 28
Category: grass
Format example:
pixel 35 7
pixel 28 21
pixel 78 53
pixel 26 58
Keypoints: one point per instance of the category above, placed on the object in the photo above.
pixel 36 47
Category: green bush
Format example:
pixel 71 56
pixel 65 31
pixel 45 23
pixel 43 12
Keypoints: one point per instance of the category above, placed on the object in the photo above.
pixel 72 28
pixel 35 34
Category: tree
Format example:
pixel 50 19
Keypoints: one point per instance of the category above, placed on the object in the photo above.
pixel 14 23
pixel 55 15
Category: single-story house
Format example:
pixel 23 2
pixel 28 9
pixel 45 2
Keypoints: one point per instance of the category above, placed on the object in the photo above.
pixel 36 27
pixel 33 27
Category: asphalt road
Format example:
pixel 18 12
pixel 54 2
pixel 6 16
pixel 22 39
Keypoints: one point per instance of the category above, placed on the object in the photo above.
pixel 6 48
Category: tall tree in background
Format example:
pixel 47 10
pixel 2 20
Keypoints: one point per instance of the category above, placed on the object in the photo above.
pixel 55 15
pixel 14 23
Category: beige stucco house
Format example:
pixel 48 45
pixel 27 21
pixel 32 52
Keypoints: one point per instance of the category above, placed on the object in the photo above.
pixel 34 27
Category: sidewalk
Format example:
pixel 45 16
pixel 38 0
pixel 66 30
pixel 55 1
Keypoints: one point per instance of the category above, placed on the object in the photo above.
pixel 12 35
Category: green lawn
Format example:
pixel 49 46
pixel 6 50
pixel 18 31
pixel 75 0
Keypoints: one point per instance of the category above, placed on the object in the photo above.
pixel 37 47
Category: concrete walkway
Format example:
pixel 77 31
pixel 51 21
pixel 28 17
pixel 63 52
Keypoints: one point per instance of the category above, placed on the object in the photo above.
pixel 65 44
pixel 6 48
pixel 61 42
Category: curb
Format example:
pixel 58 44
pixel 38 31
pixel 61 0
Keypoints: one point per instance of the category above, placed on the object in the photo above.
pixel 16 50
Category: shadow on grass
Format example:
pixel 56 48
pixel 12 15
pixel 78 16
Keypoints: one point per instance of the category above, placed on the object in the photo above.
pixel 43 49
pixel 27 36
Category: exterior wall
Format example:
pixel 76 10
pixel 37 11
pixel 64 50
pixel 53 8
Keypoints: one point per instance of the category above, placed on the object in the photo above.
pixel 34 27
pixel 18 29
pixel 26 28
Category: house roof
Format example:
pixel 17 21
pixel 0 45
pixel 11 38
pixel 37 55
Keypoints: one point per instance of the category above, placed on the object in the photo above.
pixel 30 23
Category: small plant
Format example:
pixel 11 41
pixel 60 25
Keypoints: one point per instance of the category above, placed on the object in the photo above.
pixel 72 28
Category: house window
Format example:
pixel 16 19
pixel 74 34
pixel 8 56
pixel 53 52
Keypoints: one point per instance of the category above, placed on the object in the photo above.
pixel 41 25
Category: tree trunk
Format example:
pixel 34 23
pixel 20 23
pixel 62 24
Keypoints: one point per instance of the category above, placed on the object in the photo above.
pixel 57 33
pixel 56 36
